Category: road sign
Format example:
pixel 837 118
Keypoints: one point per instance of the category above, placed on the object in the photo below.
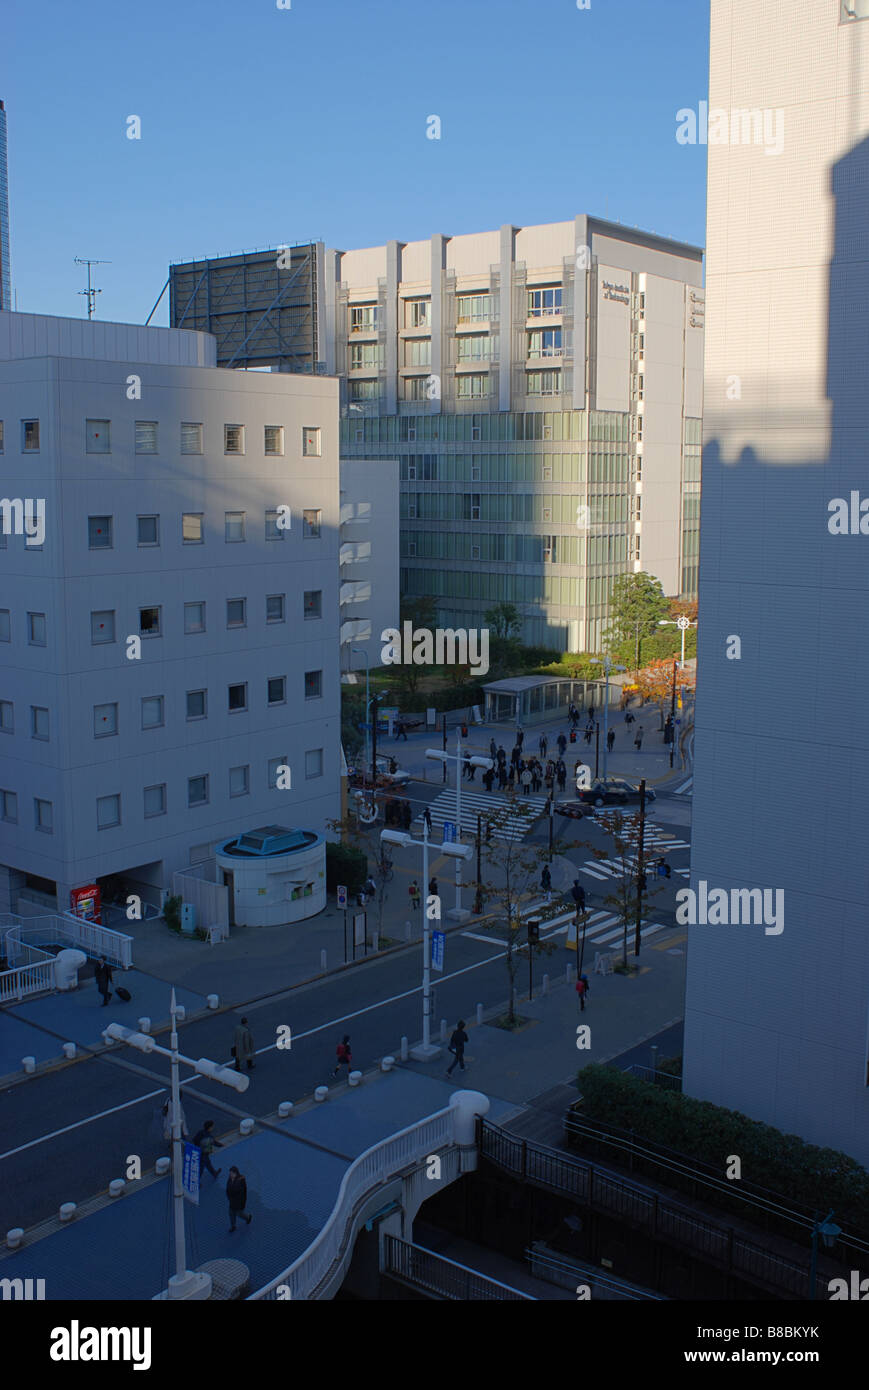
pixel 190 1173
pixel 449 832
pixel 342 895
pixel 437 950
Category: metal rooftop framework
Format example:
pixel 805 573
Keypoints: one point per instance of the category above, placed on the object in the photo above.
pixel 261 306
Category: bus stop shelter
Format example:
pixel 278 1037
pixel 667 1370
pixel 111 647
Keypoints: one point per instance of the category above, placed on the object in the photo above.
pixel 529 700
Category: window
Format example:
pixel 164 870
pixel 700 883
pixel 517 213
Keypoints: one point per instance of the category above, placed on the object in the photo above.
pixel 30 437
pixel 146 436
pixel 363 318
pixel 149 622
pixel 274 530
pixel 544 302
pixel 152 711
pixel 36 629
pixel 7 716
pixel 364 390
pixel 105 720
pixel 416 388
pixel 473 308
pixel 5 625
pixel 314 762
pixel 108 812
pixel 476 552
pixel 275 765
pixel 196 704
pixel 99 533
pixel 194 617
pixel 313 685
pixel 417 352
pixel 543 383
pixel 239 781
pixel 233 526
pixel 311 441
pixel 473 386
pixel 544 342
pixel 313 603
pixel 364 355
pixel 191 439
pixel 155 800
pixel 277 690
pixel 197 790
pixel 311 524
pixel 417 313
pixel 148 532
pixel 97 437
pixel 411 550
pixel 191 528
pixel 237 697
pixel 274 440
pixel 474 347
pixel 275 608
pixel 233 439
pixel 43 815
pixel 102 626
pixel 9 807
pixel 236 612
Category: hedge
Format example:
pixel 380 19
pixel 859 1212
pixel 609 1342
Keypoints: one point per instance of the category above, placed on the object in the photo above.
pixel 345 864
pixel 807 1175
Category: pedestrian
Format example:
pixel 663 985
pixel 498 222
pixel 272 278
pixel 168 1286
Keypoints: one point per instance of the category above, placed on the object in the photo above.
pixel 542 745
pixel 502 756
pixel 493 750
pixel 488 831
pixel 562 744
pixel 638 739
pixel 467 770
pixel 426 815
pixel 406 815
pixel 502 776
pixel 589 732
pixel 512 773
pixel 488 778
pixel 546 883
pixel 415 895
pixel 242 1046
pixel 457 1045
pixel 206 1144
pixel 236 1195
pixel 590 711
pixel 577 892
pixel 561 775
pixel 103 977
pixel 664 870
pixel 343 1055
pixel 400 731
pixel 629 718
pixel 610 740
pixel 535 776
pixel 526 781
pixel 168 1120
pixel 515 755
pixel 370 888
pixel 582 991
pixel 433 887
pixel 520 737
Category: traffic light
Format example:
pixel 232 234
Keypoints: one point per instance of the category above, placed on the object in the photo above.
pixel 533 931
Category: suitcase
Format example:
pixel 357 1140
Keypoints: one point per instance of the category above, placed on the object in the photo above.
pixel 123 994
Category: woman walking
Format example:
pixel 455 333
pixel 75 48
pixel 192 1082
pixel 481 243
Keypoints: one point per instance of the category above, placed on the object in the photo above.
pixel 236 1195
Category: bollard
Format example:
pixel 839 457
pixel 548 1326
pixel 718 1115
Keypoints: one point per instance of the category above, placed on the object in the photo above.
pixel 354 1078
pixel 545 984
pixel 245 1126
pixel 479 1014
pixel 163 1166
pixel 144 1025
pixel 69 1050
pixel 443 1030
pixel 213 1001
pixel 404 1049
pixel 285 1108
pixel 569 973
pixel 180 1013
pixel 408 931
pixel 375 940
pixel 387 1063
pixel 323 965
pixel 321 1093
pixel 67 1211
pixel 14 1237
pixel 29 1064
pixel 117 1187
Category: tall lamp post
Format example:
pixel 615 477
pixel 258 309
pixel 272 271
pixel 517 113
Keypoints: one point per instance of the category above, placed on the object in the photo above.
pixel 184 1283
pixel 683 624
pixel 428 1050
pixel 360 651
pixel 458 913
pixel 608 666
pixel 829 1232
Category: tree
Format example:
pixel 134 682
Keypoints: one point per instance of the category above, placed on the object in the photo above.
pixel 503 620
pixel 624 832
pixel 655 682
pixel 636 603
pixel 683 608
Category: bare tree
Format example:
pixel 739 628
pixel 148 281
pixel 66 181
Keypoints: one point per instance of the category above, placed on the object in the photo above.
pixel 623 830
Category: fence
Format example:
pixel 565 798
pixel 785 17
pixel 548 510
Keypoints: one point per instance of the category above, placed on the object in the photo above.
pixel 67 930
pixel 658 1078
pixel 17 984
pixel 446 1278
pixel 211 900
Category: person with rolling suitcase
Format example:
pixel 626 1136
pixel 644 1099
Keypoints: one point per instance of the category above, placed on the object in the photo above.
pixel 103 977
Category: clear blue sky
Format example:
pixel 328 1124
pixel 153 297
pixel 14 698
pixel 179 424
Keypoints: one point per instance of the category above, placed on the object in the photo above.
pixel 262 126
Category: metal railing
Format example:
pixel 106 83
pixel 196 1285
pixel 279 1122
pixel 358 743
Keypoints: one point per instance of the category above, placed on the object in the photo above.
pixel 446 1278
pixel 25 980
pixel 69 930
pixel 657 1078
pixel 320 1262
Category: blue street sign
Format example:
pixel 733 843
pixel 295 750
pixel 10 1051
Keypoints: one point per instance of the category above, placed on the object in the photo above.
pixel 342 895
pixel 449 832
pixel 190 1173
pixel 437 950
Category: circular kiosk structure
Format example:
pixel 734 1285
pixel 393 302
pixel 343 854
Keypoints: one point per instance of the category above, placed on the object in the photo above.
pixel 275 875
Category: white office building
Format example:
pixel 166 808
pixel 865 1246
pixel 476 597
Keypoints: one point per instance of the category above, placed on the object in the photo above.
pixel 169 671
pixel 777 1021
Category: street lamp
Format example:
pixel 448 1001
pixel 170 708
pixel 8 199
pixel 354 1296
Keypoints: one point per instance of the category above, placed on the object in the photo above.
pixel 458 913
pixel 427 1051
pixel 683 624
pixel 829 1232
pixel 360 651
pixel 184 1283
pixel 608 666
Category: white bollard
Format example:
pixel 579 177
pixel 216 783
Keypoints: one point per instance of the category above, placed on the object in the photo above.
pixel 404 1049
pixel 443 1030
pixel 569 973
pixel 479 1014
pixel 321 1093
pixel 408 931
pixel 387 1063
pixel 14 1237
pixel 144 1025
pixel 180 1013
pixel 29 1064
pixel 213 1001
pixel 69 1050
pixel 117 1187
pixel 545 984
pixel 285 1108
pixel 163 1166
pixel 67 1211
pixel 354 1078
pixel 246 1126
pixel 323 965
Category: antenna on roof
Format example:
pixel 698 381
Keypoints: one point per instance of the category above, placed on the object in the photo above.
pixel 91 292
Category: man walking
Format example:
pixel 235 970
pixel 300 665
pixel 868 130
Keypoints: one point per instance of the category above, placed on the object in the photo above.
pixel 638 738
pixel 578 895
pixel 542 745
pixel 206 1144
pixel 103 977
pixel 610 739
pixel 414 895
pixel 527 779
pixel 493 749
pixel 433 887
pixel 582 991
pixel 236 1195
pixel 400 731
pixel 242 1046
pixel 343 1055
pixel 562 744
pixel 546 883
pixel 426 815
pixel 168 1122
pixel 457 1045
pixel 561 774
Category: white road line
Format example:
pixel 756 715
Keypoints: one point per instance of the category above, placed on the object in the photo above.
pixel 593 872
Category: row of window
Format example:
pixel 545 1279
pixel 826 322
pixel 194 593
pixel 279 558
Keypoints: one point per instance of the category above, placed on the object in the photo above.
pixel 470 386
pixel 103 626
pixel 543 301
pixel 512 506
pixel 497 546
pixel 277 524
pixel 98 438
pixel 606 426
pixel 153 707
pixel 155 799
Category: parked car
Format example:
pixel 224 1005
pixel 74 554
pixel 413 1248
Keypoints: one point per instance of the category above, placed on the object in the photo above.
pixel 569 808
pixel 613 791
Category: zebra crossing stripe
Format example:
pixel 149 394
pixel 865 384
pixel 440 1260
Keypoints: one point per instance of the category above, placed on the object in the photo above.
pixel 619 931
pixel 584 869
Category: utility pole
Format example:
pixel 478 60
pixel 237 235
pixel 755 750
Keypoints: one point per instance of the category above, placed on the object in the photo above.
pixel 596 747
pixel 478 900
pixel 673 715
pixel 90 292
pixel 444 724
pixel 641 872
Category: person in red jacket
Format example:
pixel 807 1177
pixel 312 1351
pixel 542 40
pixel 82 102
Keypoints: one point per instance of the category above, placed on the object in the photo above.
pixel 343 1055
pixel 582 991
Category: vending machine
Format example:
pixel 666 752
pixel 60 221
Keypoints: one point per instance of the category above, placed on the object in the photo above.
pixel 85 903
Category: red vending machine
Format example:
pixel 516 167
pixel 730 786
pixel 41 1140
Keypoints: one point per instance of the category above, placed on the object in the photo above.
pixel 85 903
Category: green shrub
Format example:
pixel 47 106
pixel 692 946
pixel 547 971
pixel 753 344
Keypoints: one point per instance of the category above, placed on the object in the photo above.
pixel 345 864
pixel 172 911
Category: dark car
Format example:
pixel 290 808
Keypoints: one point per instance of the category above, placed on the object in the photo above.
pixel 613 791
pixel 569 808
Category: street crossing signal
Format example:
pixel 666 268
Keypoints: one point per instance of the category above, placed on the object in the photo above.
pixel 533 931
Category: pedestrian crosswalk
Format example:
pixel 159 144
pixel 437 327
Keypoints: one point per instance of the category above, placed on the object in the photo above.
pixel 513 825
pixel 601 929
pixel 686 789
pixel 654 836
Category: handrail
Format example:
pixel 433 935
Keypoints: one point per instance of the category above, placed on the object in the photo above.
pixel 91 937
pixel 376 1165
pixel 404 1258
pixel 26 979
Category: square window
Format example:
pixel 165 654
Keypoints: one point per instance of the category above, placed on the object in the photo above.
pixel 196 704
pixel 30 437
pixel 277 523
pixel 149 622
pixel 99 533
pixel 313 605
pixel 105 720
pixel 197 791
pixel 155 800
pixel 97 437
pixel 233 526
pixel 237 696
pixel 194 617
pixel 36 629
pixel 102 626
pixel 108 812
pixel 39 722
pixel 192 528
pixel 152 711
pixel 277 690
pixel 275 608
pixel 9 807
pixel 5 625
pixel 146 436
pixel 314 762
pixel 313 685
pixel 191 439
pixel 233 439
pixel 236 612
pixel 311 523
pixel 43 815
pixel 274 441
pixel 7 716
pixel 279 768
pixel 148 530
pixel 239 781
pixel 311 442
